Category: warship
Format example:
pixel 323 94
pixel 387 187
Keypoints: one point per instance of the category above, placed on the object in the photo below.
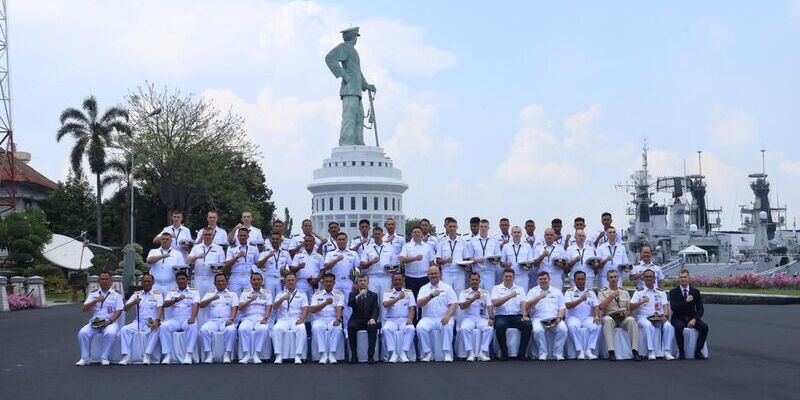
pixel 685 233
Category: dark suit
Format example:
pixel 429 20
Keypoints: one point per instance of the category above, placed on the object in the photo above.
pixel 683 312
pixel 365 308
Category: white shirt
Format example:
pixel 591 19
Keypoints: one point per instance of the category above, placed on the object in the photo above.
pixel 417 269
pixel 221 308
pixel 245 264
pixel 617 253
pixel 258 308
pixel 328 246
pixel 328 311
pixel 385 256
pixel 478 308
pixel 148 307
pixel 515 254
pixel 584 309
pixel 533 240
pixel 179 234
pixel 584 253
pixel 183 308
pixel 656 303
pixel 501 238
pixel 301 237
pixel 162 270
pixel 220 237
pixel 437 306
pixel 293 306
pixel 483 248
pixel 205 256
pixel 313 264
pixel 548 307
pixel 641 267
pixel 513 305
pixel 547 263
pixel 356 241
pixel 105 308
pixel 457 248
pixel 342 267
pixel 431 240
pixel 255 237
pixel 276 261
pixel 396 241
pixel 399 309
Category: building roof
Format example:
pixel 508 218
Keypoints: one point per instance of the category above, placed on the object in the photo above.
pixel 24 173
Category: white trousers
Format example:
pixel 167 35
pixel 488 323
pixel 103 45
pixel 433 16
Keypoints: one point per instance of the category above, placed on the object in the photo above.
pixel 319 326
pixel 173 325
pixel 237 283
pixel 289 325
pixel 667 332
pixel 204 284
pixel 126 336
pixel 456 279
pixel 273 284
pixel 574 325
pixel 251 329
pixel 487 332
pixel 428 324
pixel 379 284
pixel 217 325
pixel 392 325
pixel 487 280
pixel 85 339
pixel 541 340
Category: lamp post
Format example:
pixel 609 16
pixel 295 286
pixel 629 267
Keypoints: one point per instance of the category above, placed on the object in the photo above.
pixel 129 258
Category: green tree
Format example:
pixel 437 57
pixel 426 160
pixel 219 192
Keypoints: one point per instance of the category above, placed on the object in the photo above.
pixel 70 208
pixel 23 235
pixel 92 136
pixel 412 222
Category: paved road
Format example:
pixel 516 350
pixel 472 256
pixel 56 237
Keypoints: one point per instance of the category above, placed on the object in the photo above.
pixel 755 354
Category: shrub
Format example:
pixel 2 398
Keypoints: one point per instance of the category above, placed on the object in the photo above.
pixel 56 284
pixel 21 301
pixel 45 270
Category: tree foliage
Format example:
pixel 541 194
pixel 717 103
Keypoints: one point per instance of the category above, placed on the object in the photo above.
pixel 23 235
pixel 70 208
pixel 412 222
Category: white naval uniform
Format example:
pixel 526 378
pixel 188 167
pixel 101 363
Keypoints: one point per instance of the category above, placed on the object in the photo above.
pixel 312 264
pixel 418 269
pixel 396 242
pixel 515 254
pixel 179 234
pixel 288 313
pixel 432 315
pixel 241 269
pixel 641 267
pixel 583 253
pixel 288 244
pixel 545 310
pixel 205 256
pixel 163 270
pixel 547 264
pixel 397 318
pixel 219 311
pixel 431 240
pixel 271 272
pixel 178 319
pixel 324 320
pixel 502 241
pixel 251 326
pixel 360 247
pixel 618 256
pixel 482 248
pixel 452 273
pixel 582 316
pixel 533 240
pixel 476 316
pixel 328 246
pixel 103 310
pixel 147 309
pixel 300 239
pixel 512 306
pixel 342 270
pixel 588 243
pixel 379 279
pixel 220 237
pixel 657 300
pixel 254 238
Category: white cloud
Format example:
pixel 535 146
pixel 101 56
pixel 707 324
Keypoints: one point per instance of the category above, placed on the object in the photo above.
pixel 731 127
pixel 790 168
pixel 579 128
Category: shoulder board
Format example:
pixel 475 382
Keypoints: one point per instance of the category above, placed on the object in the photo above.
pixel 388 290
pixel 295 235
pixel 136 292
pixel 156 291
pixel 247 289
pixel 190 289
pixel 605 288
pixel 465 291
pixel 319 292
pixel 407 290
pixel 482 290
pixel 337 291
pixel 173 290
pixel 658 289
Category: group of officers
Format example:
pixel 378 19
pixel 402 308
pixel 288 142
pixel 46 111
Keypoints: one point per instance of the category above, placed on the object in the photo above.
pixel 255 288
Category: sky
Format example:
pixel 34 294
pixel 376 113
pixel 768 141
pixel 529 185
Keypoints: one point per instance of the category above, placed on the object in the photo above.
pixel 518 109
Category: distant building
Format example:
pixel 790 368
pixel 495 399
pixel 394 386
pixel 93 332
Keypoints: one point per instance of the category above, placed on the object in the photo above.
pixel 31 186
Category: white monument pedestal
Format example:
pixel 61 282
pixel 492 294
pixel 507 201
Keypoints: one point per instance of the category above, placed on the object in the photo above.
pixel 356 182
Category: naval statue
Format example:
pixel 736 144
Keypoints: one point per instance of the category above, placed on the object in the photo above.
pixel 343 61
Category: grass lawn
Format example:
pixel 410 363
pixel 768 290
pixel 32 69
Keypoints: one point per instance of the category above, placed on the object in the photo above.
pixel 62 297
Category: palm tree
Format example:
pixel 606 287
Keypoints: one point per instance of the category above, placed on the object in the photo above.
pixel 118 174
pixel 92 136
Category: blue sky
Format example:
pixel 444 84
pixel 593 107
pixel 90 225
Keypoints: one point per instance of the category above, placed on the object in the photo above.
pixel 518 109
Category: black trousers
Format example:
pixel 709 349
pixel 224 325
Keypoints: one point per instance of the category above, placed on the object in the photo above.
pixel 702 330
pixel 415 284
pixel 353 326
pixel 501 325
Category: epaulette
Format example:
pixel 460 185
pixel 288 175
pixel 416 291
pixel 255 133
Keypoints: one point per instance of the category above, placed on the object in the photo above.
pixel 137 292
pixel 156 291
pixel 247 289
pixel 337 291
pixel 173 290
pixel 407 290
pixel 191 289
pixel 318 292
pixel 465 290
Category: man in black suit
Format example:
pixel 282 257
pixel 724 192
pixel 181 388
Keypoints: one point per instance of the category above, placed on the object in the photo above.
pixel 687 310
pixel 365 317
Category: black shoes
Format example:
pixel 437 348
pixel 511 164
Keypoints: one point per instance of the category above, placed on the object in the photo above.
pixel 612 356
pixel 636 356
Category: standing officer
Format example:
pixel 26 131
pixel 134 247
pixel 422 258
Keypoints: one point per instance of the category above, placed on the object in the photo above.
pixel 366 311
pixel 180 234
pixel 106 306
pixel 687 312
pixel 646 263
pixel 307 265
pixel 203 256
pixel 547 304
pixel 374 260
pixel 329 244
pixel 477 313
pixel 185 303
pixel 392 238
pixel 219 235
pixel 271 263
pixel 254 236
pixel 577 256
pixel 438 303
pixel 582 312
pixel 614 302
pixel 549 258
pixel 292 307
pixel 162 262
pixel 149 310
pixel 359 244
pixel 327 306
pixel 507 299
pixel 417 257
pixel 651 302
pixel 256 305
pixel 451 250
pixel 485 251
pixel 223 305
pixel 613 256
pixel 400 307
pixel 515 253
pixel 427 236
pixel 342 263
pixel 240 262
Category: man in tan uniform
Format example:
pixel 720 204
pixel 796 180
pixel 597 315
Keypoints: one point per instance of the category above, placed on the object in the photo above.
pixel 615 303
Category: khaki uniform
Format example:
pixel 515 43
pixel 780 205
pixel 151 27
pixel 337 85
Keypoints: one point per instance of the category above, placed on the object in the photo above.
pixel 621 303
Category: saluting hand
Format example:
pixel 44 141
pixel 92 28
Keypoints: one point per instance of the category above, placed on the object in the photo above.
pixel 689 298
pixel 402 295
pixel 329 300
pixel 477 296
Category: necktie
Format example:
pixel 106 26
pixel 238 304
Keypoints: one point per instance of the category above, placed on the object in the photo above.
pixel 685 294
